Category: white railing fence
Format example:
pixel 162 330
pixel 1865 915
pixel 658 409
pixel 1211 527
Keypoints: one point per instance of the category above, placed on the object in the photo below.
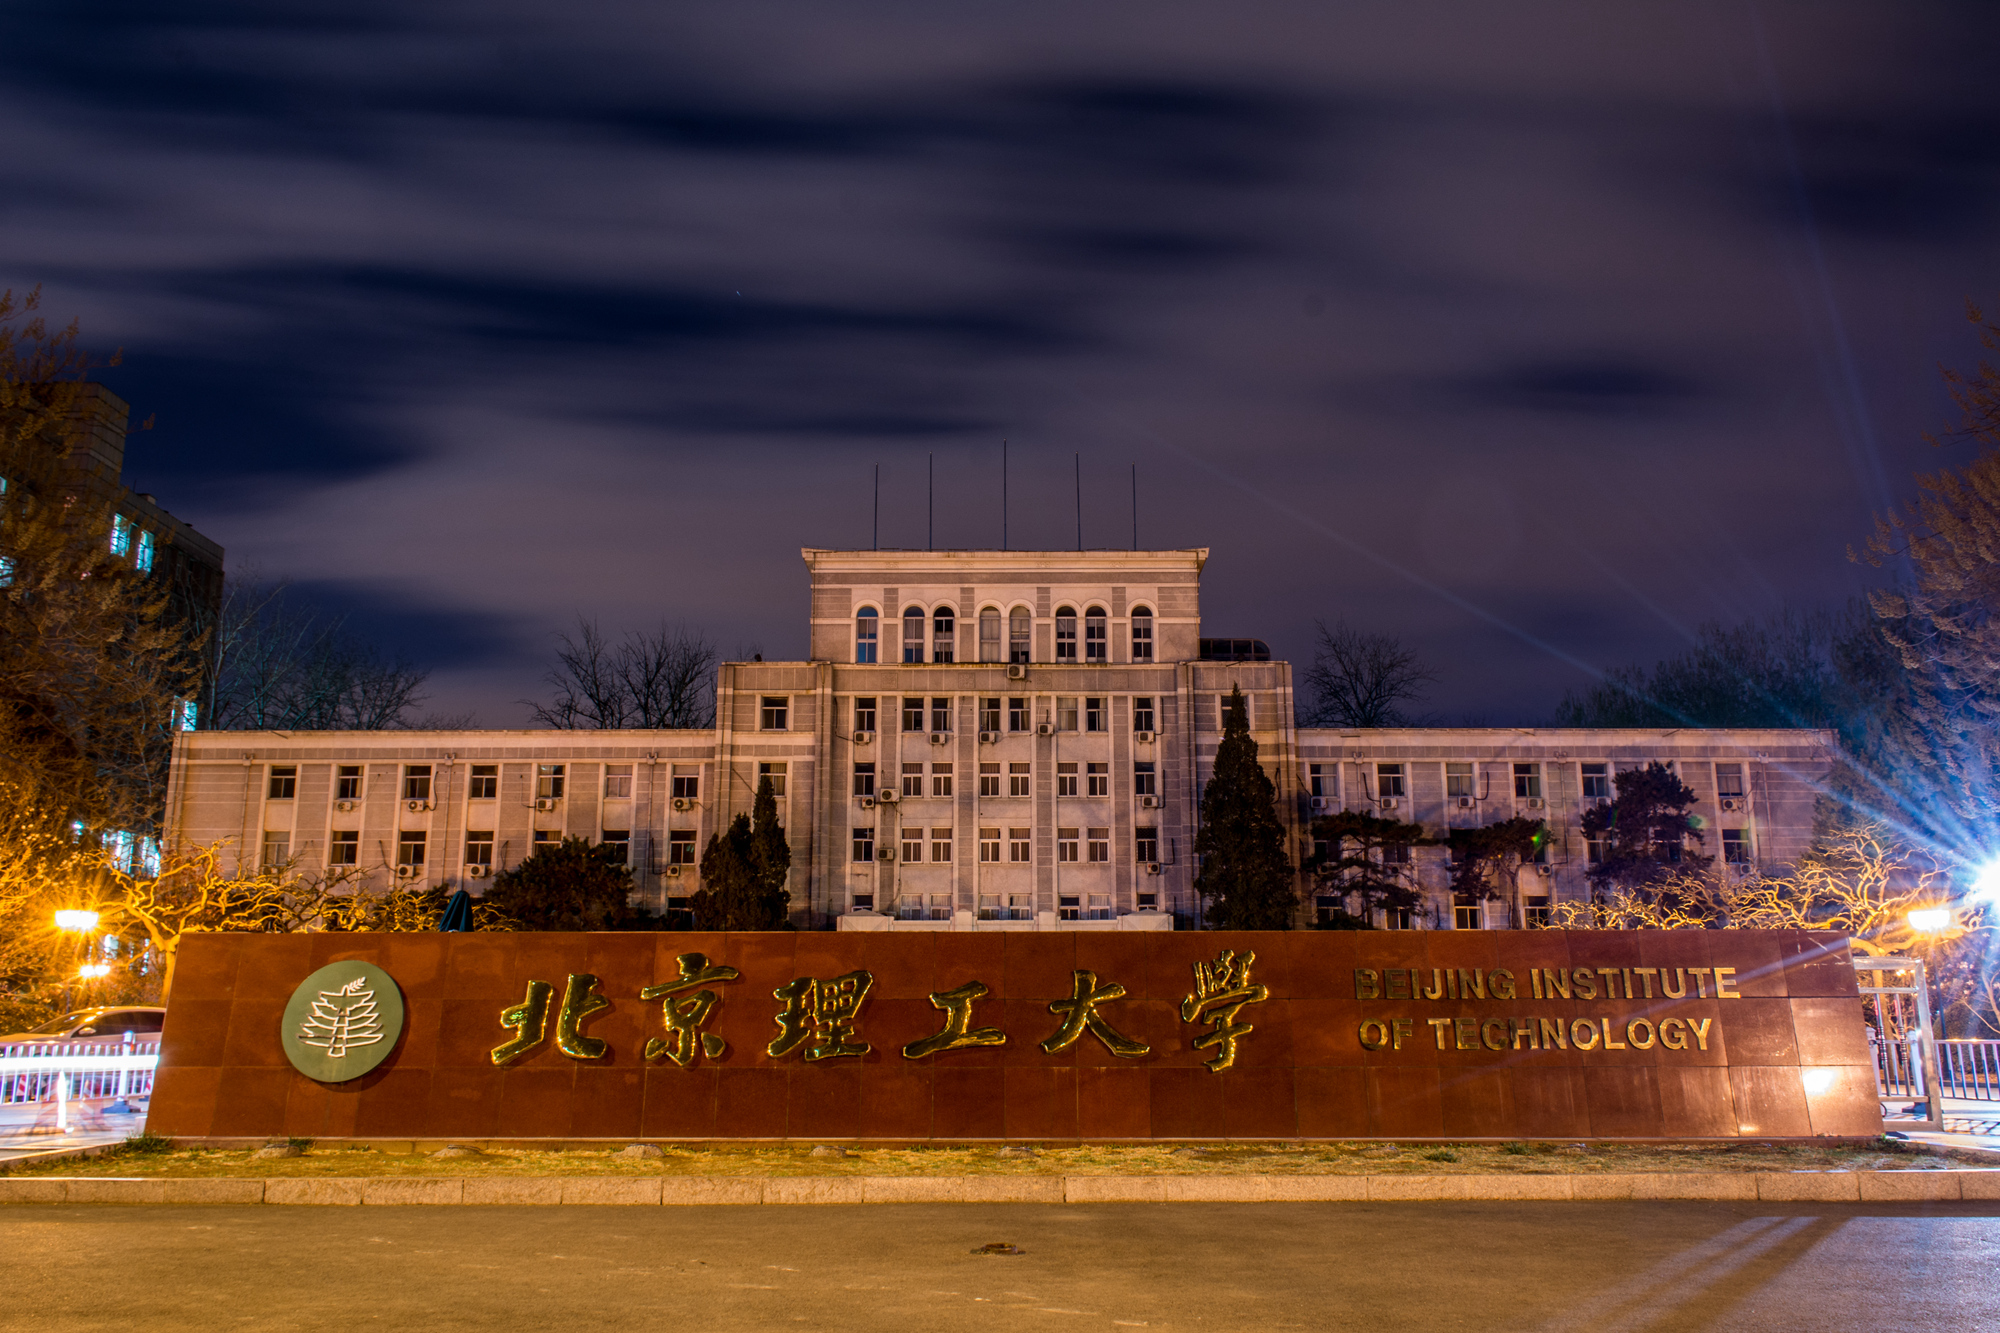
pixel 66 1071
pixel 1969 1069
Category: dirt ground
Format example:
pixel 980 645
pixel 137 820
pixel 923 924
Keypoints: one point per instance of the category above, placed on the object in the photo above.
pixel 142 1157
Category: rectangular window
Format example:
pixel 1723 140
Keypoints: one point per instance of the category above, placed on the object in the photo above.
pixel 864 902
pixel 913 636
pixel 1537 911
pixel 989 779
pixel 864 779
pixel 1594 850
pixel 278 848
pixel 1458 782
pixel 410 847
pixel 989 715
pixel 1018 846
pixel 1093 714
pixel 1736 846
pixel 1249 713
pixel 1097 907
pixel 1017 715
pixel 284 782
pixel 1017 779
pixel 345 849
pixel 1388 780
pixel 864 714
pixel 942 626
pixel 1467 916
pixel 347 782
pixel 1068 907
pixel 121 534
pixel 1097 779
pixel 1066 635
pixel 1066 714
pixel 1066 844
pixel 774 713
pixel 913 779
pixel 913 715
pixel 1019 632
pixel 989 639
pixel 479 847
pixel 680 847
pixel 1144 779
pixel 989 846
pixel 1315 780
pixel 776 773
pixel 1146 845
pixel 940 779
pixel 1099 841
pixel 686 779
pixel 941 846
pixel 484 784
pixel 1142 637
pixel 1729 780
pixel 549 782
pixel 542 837
pixel 1065 779
pixel 1142 715
pixel 1396 854
pixel 1597 782
pixel 940 715
pixel 617 844
pixel 1527 782
pixel 864 844
pixel 1094 644
pixel 142 559
pixel 416 782
pixel 913 846
pixel 618 782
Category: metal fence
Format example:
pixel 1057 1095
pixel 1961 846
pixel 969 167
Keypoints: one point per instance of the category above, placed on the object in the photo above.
pixel 1969 1069
pixel 1896 1003
pixel 76 1070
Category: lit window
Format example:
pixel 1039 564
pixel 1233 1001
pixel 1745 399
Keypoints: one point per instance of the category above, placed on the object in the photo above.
pixel 942 626
pixel 184 711
pixel 865 633
pixel 142 554
pixel 1142 637
pixel 913 634
pixel 618 782
pixel 1066 634
pixel 1020 631
pixel 121 534
pixel 1094 643
pixel 989 635
pixel 284 782
pixel 774 713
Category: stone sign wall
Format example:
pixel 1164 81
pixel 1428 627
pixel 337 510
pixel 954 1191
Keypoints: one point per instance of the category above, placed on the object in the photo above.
pixel 1045 1036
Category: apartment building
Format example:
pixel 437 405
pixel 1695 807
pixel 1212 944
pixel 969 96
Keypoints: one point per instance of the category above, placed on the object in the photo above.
pixel 979 740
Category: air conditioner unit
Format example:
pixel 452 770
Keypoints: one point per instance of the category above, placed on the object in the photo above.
pixel 343 806
pixel 868 803
pixel 989 737
pixel 478 872
pixel 1731 803
pixel 1319 802
pixel 1533 802
pixel 863 737
pixel 673 872
pixel 1149 802
pixel 1044 729
pixel 940 737
pixel 408 872
pixel 1143 737
pixel 1465 802
pixel 683 803
pixel 545 803
pixel 885 854
pixel 887 797
pixel 1152 867
pixel 1017 671
pixel 1388 802
pixel 417 805
pixel 1545 871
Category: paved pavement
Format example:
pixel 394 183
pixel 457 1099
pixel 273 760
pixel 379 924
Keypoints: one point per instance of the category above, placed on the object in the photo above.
pixel 1600 1267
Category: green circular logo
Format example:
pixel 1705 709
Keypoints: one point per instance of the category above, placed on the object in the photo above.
pixel 343 1021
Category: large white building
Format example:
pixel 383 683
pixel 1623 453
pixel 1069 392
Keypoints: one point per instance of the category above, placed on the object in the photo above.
pixel 980 740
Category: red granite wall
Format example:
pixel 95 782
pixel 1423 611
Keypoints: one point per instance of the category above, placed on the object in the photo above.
pixel 1787 1058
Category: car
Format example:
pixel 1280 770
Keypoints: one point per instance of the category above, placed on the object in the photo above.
pixel 142 1022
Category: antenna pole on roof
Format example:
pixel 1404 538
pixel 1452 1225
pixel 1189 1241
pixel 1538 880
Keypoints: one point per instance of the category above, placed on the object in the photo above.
pixel 1003 495
pixel 930 507
pixel 1079 502
pixel 1135 506
pixel 877 537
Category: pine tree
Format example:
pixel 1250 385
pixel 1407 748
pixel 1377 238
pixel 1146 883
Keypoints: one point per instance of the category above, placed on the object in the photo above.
pixel 1366 865
pixel 1241 845
pixel 568 885
pixel 771 857
pixel 1644 830
pixel 743 872
pixel 1496 852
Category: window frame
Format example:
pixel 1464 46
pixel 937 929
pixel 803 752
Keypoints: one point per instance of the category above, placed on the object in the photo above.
pixel 774 712
pixel 1142 636
pixel 1066 635
pixel 864 708
pixel 914 615
pixel 1020 636
pixel 416 782
pixel 477 786
pixel 867 635
pixel 347 840
pixel 476 839
pixel 944 635
pixel 1096 635
pixel 991 646
pixel 282 782
pixel 1142 713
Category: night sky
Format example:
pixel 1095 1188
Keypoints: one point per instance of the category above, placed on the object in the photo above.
pixel 1533 334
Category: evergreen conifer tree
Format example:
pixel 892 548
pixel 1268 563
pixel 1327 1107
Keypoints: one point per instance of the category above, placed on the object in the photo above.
pixel 1644 831
pixel 1244 873
pixel 567 885
pixel 743 872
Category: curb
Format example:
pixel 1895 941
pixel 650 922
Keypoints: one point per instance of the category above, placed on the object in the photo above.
pixel 655 1191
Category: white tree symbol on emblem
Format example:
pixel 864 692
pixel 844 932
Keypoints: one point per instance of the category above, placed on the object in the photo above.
pixel 343 1018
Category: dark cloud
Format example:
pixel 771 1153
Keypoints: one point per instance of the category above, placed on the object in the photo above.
pixel 1593 386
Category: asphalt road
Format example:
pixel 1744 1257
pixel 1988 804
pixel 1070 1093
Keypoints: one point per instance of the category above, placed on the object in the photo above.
pixel 1595 1268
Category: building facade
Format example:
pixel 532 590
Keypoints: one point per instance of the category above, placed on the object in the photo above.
pixel 980 740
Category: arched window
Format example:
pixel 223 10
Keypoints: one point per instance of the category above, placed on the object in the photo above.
pixel 1065 634
pixel 865 623
pixel 1020 635
pixel 913 634
pixel 989 635
pixel 1142 634
pixel 941 635
pixel 1095 646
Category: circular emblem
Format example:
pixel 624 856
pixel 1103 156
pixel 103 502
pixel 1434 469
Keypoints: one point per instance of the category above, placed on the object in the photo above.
pixel 343 1021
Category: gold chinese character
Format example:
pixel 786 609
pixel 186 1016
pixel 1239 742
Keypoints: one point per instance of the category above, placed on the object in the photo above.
pixel 1221 988
pixel 824 1010
pixel 684 1018
pixel 530 1021
pixel 957 1006
pixel 1080 1012
pixel 579 1002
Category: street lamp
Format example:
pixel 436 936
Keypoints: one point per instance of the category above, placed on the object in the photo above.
pixel 78 920
pixel 1930 919
pixel 92 971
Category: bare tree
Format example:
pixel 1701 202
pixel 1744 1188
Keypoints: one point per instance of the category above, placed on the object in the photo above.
pixel 281 664
pixel 1361 680
pixel 662 678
